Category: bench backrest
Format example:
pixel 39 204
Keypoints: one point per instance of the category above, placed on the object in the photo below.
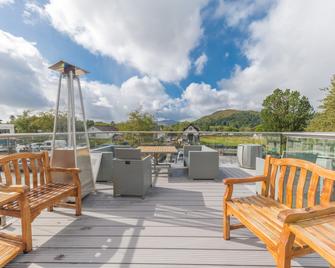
pixel 297 183
pixel 33 166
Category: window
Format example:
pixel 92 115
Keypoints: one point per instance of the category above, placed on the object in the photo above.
pixel 4 131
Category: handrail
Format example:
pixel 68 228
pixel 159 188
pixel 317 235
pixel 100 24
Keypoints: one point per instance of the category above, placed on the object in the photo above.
pixel 328 135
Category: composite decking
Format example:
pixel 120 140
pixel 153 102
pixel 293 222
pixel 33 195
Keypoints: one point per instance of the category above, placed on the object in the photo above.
pixel 178 224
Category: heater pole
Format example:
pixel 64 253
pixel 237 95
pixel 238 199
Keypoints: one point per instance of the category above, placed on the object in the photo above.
pixel 83 112
pixel 57 110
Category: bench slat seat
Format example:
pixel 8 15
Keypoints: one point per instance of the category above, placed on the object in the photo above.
pixel 43 194
pixel 8 251
pixel 259 214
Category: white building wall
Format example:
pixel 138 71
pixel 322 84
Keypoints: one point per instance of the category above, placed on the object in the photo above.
pixel 7 129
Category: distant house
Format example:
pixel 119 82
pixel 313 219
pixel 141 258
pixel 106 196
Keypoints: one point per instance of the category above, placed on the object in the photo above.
pixel 102 132
pixel 191 134
pixel 7 145
pixel 7 129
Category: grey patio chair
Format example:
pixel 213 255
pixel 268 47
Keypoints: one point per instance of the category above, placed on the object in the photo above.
pixel 131 175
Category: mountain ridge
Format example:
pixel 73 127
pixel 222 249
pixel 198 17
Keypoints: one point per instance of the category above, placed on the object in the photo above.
pixel 229 119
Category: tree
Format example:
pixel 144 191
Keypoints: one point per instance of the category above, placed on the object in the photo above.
pixel 286 111
pixel 138 121
pixel 89 123
pixel 23 122
pixel 180 126
pixel 325 119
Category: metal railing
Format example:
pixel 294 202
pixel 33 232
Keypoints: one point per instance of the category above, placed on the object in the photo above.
pixel 313 146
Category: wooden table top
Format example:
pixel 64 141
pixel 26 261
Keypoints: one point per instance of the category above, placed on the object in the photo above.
pixel 8 197
pixel 158 149
pixel 319 234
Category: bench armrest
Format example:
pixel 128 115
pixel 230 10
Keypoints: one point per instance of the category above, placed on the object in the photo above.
pixel 13 188
pixel 232 181
pixel 294 215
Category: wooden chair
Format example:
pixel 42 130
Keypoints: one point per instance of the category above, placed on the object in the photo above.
pixel 289 193
pixel 11 244
pixel 40 192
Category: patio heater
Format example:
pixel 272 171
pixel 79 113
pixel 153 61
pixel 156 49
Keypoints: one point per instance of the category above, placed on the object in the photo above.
pixel 70 148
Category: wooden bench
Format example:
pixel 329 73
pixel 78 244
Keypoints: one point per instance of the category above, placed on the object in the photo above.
pixel 317 231
pixel 290 191
pixel 40 192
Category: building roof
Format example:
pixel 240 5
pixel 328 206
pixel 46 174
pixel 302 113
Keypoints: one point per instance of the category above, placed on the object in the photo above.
pixel 191 125
pixel 106 128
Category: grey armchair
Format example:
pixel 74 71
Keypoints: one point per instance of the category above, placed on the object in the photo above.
pixel 202 162
pixel 131 174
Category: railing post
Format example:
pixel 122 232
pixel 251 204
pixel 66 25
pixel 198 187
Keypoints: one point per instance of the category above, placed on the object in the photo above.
pixel 283 140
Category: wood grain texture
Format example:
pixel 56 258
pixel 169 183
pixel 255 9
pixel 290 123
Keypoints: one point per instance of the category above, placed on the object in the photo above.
pixel 300 189
pixel 289 186
pixel 319 235
pixel 281 185
pixel 158 149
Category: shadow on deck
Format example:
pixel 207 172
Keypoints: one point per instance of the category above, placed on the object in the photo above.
pixel 178 224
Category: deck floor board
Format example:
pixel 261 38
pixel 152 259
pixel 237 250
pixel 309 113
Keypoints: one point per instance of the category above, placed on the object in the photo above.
pixel 178 224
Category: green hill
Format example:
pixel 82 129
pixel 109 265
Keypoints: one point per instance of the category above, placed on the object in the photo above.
pixel 229 120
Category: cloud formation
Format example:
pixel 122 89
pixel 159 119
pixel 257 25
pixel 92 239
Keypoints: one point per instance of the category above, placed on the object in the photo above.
pixel 6 2
pixel 155 37
pixel 237 13
pixel 287 49
pixel 200 63
pixel 22 76
pixel 28 84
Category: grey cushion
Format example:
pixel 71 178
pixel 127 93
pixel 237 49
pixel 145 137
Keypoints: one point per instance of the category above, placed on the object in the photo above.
pixel 127 153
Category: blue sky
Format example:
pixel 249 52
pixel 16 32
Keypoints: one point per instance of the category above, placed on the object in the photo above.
pixel 177 60
pixel 219 43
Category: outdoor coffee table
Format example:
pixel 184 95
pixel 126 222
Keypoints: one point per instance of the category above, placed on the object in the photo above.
pixel 156 151
pixel 318 234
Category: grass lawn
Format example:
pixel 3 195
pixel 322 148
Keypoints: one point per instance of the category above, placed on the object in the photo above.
pixel 230 140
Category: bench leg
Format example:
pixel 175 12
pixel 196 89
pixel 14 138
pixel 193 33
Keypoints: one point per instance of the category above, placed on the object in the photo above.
pixel 226 222
pixel 51 208
pixel 284 252
pixel 26 225
pixel 78 202
pixel 226 214
pixel 226 227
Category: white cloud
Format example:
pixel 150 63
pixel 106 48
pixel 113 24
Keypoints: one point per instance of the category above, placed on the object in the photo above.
pixel 155 37
pixel 200 63
pixel 26 83
pixel 6 2
pixel 238 12
pixel 33 12
pixel 201 99
pixel 109 102
pixel 22 72
pixel 287 49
